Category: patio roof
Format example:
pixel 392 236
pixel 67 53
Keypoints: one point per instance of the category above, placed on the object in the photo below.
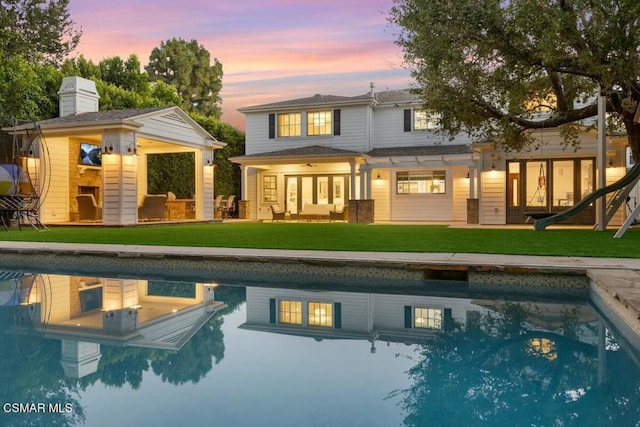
pixel 429 150
pixel 315 152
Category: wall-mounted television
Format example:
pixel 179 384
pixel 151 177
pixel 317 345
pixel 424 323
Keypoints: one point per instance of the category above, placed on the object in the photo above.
pixel 90 154
pixel 90 299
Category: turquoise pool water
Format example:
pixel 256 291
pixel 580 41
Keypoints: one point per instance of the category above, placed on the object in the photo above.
pixel 78 350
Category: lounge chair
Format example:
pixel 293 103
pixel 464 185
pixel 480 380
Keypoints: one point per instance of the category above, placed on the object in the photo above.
pixel 153 207
pixel 340 214
pixel 277 214
pixel 217 206
pixel 228 207
pixel 88 209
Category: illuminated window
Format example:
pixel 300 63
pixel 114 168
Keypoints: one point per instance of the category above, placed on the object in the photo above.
pixel 289 124
pixel 427 318
pixel 320 314
pixel 269 189
pixel 421 182
pixel 543 347
pixel 290 312
pixel 423 120
pixel 319 123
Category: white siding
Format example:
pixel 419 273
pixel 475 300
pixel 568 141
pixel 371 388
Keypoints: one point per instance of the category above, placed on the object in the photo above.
pixel 422 207
pixel 389 309
pixel 355 307
pixel 460 193
pixel 119 293
pixel 380 193
pixel 353 133
pixel 493 198
pixel 55 207
pixel 56 301
pixel 388 131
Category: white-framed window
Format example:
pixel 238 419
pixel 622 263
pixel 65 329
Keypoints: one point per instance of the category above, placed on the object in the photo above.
pixel 289 124
pixel 269 188
pixel 290 312
pixel 319 123
pixel 421 182
pixel 320 314
pixel 427 318
pixel 424 120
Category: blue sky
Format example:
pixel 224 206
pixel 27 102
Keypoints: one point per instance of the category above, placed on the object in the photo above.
pixel 270 50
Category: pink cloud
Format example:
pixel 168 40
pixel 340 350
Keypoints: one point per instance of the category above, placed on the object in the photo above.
pixel 270 50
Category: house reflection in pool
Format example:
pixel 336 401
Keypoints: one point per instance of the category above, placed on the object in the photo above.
pixel 85 312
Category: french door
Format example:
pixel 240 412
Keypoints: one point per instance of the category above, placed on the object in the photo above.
pixel 316 189
pixel 549 185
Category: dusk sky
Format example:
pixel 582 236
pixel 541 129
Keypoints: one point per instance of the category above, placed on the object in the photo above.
pixel 270 50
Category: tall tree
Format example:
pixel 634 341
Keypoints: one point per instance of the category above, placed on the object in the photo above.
pixel 488 66
pixel 38 30
pixel 187 66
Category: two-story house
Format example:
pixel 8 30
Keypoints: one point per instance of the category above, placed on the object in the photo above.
pixel 380 154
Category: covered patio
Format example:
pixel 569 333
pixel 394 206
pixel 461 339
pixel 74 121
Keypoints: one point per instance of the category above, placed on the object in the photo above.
pixel 88 157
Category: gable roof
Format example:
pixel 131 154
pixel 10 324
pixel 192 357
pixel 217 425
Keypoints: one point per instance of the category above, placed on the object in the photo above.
pixel 311 152
pixel 428 150
pixel 132 119
pixel 312 101
pixel 393 97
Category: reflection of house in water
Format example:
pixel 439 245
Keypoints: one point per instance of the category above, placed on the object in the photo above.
pixel 85 312
pixel 395 318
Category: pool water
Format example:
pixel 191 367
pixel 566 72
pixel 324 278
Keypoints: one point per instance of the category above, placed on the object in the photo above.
pixel 79 350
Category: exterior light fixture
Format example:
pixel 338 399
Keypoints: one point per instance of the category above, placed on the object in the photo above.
pixel 610 163
pixel 132 149
pixel 107 149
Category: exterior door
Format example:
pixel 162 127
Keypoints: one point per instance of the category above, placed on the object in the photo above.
pixel 316 189
pixel 515 211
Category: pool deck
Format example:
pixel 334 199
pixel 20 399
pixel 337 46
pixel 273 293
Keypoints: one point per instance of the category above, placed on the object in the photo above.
pixel 619 278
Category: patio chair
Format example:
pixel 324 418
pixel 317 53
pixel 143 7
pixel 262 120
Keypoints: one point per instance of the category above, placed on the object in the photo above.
pixel 341 214
pixel 277 214
pixel 88 209
pixel 228 207
pixel 153 206
pixel 217 205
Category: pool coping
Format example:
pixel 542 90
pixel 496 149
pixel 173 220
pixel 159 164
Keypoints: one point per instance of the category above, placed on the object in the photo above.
pixel 617 280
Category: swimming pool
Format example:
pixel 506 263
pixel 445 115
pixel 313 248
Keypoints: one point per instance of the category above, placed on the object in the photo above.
pixel 129 351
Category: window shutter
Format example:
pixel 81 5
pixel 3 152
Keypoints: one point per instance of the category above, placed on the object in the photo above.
pixel 407 120
pixel 337 315
pixel 272 126
pixel 407 316
pixel 336 122
pixel 272 310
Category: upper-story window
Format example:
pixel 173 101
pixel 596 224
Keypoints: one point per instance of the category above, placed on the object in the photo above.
pixel 423 120
pixel 319 123
pixel 289 124
pixel 420 120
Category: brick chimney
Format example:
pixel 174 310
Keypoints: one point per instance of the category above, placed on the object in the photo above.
pixel 77 95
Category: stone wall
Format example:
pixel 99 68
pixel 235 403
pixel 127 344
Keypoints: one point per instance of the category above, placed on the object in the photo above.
pixel 362 211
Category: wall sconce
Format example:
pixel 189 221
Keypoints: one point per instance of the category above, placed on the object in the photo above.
pixel 132 149
pixel 493 161
pixel 209 161
pixel 610 163
pixel 468 175
pixel 107 149
pixel 378 178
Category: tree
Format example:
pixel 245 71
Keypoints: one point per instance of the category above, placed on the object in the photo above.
pixel 187 66
pixel 227 180
pixel 489 66
pixel 40 31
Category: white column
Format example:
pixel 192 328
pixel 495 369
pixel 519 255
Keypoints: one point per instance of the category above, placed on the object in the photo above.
pixel 243 181
pixel 472 183
pixel 119 178
pixel 363 182
pixel 601 158
pixel 352 186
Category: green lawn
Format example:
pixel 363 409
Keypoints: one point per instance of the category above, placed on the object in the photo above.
pixel 352 237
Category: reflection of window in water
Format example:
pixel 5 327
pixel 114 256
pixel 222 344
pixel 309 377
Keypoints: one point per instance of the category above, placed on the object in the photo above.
pixel 320 314
pixel 428 318
pixel 290 312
